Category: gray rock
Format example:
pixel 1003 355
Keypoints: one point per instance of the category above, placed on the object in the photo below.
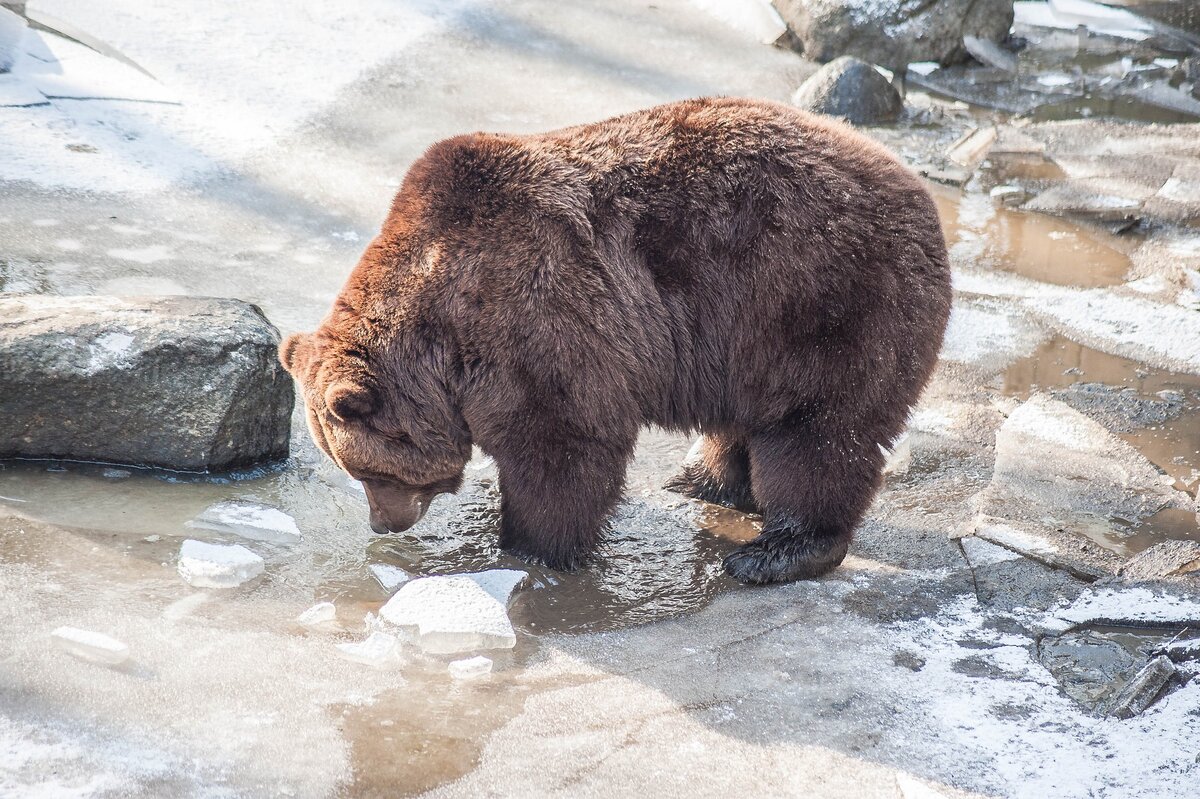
pixel 851 89
pixel 1152 682
pixel 1168 559
pixel 894 33
pixel 177 382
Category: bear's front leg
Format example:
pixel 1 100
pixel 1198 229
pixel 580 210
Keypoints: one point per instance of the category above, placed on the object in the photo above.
pixel 717 470
pixel 556 497
pixel 814 483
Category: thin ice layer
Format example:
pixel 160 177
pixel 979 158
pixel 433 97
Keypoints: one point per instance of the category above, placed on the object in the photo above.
pixel 249 520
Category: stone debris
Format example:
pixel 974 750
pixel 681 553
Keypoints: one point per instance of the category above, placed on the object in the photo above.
pixel 1168 559
pixel 852 90
pixel 470 668
pixel 389 577
pixel 249 520
pixel 456 613
pixel 186 383
pixel 1155 679
pixel 205 565
pixel 320 616
pixel 379 649
pixel 90 646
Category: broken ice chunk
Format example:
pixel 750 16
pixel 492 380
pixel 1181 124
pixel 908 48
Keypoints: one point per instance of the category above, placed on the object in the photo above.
pixel 378 650
pixel 470 668
pixel 389 577
pixel 322 614
pixel 249 520
pixel 217 565
pixel 456 613
pixel 499 583
pixel 90 646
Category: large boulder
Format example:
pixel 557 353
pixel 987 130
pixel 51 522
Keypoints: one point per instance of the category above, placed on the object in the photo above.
pixel 185 383
pixel 893 33
pixel 851 89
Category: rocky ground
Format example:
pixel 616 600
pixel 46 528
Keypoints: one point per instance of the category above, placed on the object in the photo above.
pixel 1014 618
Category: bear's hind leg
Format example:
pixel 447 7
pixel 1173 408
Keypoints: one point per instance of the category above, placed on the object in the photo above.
pixel 814 481
pixel 555 499
pixel 717 470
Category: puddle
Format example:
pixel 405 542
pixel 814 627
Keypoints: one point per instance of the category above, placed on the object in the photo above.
pixel 1159 414
pixel 1127 108
pixel 982 232
pixel 657 560
pixel 1093 663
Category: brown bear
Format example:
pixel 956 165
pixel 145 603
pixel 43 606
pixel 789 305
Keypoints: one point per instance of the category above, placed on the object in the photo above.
pixel 736 267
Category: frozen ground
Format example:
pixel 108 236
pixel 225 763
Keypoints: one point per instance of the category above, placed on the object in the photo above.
pixel 257 167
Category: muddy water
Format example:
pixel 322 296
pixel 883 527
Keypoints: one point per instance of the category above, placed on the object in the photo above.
pixel 661 557
pixel 1158 413
pixel 984 233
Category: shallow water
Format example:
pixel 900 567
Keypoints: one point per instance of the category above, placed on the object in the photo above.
pixel 981 231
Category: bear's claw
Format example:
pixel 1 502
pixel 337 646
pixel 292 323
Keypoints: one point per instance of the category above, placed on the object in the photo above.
pixel 783 556
pixel 696 482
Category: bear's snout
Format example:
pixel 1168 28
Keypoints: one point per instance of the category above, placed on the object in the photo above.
pixel 395 507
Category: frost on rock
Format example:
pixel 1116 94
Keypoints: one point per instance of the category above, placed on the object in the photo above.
pixel 217 565
pixel 470 668
pixel 389 577
pixel 90 646
pixel 249 520
pixel 1059 481
pixel 322 614
pixel 379 649
pixel 456 613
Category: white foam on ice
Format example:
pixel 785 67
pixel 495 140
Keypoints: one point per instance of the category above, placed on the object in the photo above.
pixel 206 565
pixel 248 520
pixel 90 646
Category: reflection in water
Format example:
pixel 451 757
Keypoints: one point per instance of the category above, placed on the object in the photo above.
pixel 983 233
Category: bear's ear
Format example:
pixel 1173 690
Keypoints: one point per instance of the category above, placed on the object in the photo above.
pixel 294 352
pixel 348 400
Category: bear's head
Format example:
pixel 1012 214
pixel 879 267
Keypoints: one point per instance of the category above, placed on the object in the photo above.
pixel 389 423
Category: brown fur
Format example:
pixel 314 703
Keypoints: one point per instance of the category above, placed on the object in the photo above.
pixel 769 278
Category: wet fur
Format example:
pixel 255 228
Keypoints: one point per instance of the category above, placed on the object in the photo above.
pixel 769 278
